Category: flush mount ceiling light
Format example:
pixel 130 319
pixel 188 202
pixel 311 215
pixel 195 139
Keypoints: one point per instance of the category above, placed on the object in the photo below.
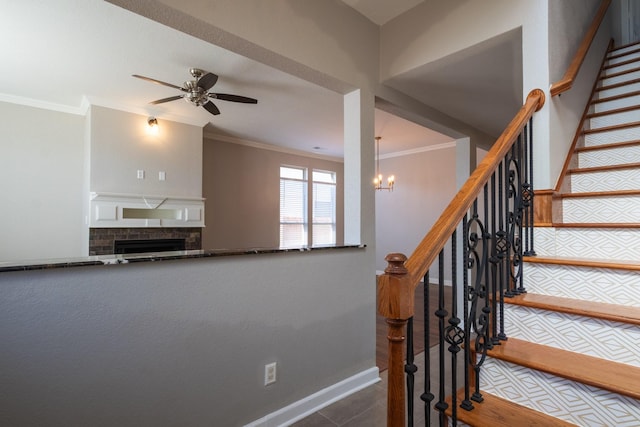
pixel 377 181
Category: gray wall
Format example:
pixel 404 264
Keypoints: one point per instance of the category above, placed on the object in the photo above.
pixel 121 145
pixel 181 343
pixel 568 23
pixel 242 187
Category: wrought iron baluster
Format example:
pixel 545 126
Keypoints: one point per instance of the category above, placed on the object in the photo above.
pixel 427 397
pixel 529 129
pixel 494 260
pixel 467 295
pixel 477 244
pixel 454 334
pixel 441 313
pixel 410 369
pixel 514 217
pixel 503 246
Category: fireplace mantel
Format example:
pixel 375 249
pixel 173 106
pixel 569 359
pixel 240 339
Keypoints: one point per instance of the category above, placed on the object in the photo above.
pixel 109 210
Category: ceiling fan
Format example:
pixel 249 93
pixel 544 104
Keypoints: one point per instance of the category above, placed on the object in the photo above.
pixel 197 91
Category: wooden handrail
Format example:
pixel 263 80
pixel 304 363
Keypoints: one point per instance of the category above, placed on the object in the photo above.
pixel 396 288
pixel 429 248
pixel 566 82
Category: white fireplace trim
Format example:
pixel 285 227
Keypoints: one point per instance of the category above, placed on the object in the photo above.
pixel 108 210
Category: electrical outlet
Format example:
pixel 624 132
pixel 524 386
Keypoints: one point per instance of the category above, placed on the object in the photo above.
pixel 270 373
pixel 140 174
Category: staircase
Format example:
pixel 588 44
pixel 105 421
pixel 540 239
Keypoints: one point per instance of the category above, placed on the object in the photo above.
pixel 573 352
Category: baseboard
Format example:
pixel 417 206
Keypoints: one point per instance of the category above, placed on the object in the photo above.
pixel 310 404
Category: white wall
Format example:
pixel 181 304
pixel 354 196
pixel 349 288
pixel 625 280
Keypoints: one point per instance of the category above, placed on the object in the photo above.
pixel 48 156
pixel 41 185
pixel 181 343
pixel 121 144
pixel 434 30
pixel 426 183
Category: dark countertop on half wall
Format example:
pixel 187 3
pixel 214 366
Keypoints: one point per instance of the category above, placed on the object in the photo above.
pixel 102 260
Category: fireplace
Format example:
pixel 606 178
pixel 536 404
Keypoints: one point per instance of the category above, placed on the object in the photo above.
pixel 135 246
pixel 102 241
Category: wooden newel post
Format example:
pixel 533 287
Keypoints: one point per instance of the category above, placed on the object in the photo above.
pixel 396 304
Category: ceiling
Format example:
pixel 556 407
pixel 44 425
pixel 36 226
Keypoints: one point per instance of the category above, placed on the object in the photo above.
pixel 61 54
pixel 382 11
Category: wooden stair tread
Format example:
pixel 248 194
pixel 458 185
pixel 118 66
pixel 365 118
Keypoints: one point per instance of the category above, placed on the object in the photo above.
pixel 607 146
pixel 614 111
pixel 615 97
pixel 619 73
pixel 610 128
pixel 613 55
pixel 617 85
pixel 604 168
pixel 598 310
pixel 612 376
pixel 585 262
pixel 630 61
pixel 624 46
pixel 498 412
pixel 617 193
pixel 595 225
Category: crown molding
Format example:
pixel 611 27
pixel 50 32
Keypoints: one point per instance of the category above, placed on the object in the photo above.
pixel 435 147
pixel 38 103
pixel 101 102
pixel 265 146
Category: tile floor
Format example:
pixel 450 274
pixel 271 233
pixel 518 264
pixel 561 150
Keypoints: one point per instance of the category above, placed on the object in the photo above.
pixel 368 407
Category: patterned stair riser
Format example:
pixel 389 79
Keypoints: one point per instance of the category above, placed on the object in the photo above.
pixel 605 93
pixel 616 103
pixel 623 58
pixel 612 136
pixel 609 157
pixel 620 79
pixel 606 285
pixel 601 210
pixel 621 68
pixel 573 402
pixel 596 243
pixel 624 179
pixel 614 341
pixel 615 119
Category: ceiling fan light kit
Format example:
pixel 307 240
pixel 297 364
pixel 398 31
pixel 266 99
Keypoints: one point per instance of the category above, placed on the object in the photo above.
pixel 196 92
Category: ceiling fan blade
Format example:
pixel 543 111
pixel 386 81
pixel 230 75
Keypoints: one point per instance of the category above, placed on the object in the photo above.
pixel 211 107
pixel 149 79
pixel 233 98
pixel 171 98
pixel 207 81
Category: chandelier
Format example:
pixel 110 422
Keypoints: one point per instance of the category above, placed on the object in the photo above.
pixel 377 181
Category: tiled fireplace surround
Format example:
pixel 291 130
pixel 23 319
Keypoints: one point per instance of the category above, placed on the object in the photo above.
pixel 101 239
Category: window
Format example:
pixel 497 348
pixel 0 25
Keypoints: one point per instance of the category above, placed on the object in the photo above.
pixel 324 208
pixel 293 207
pixel 295 230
